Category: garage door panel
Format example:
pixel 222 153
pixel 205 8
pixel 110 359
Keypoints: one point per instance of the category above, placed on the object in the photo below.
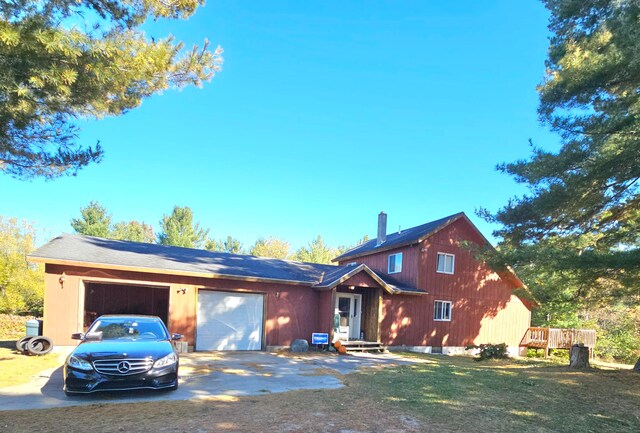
pixel 229 321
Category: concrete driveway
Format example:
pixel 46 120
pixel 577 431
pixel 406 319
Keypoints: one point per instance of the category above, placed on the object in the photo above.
pixel 210 375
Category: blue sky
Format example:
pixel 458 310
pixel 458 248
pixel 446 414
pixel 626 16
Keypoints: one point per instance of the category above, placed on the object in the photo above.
pixel 325 113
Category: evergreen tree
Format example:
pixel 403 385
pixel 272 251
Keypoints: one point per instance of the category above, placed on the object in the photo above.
pixel 62 60
pixel 228 245
pixel 317 252
pixel 178 229
pixel 94 221
pixel 575 236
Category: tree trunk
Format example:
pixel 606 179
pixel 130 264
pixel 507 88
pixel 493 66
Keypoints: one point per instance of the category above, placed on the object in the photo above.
pixel 637 366
pixel 579 358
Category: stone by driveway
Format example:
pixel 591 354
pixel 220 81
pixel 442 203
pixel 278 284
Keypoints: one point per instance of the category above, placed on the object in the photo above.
pixel 214 375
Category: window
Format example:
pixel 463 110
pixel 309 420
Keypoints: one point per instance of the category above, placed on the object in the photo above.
pixel 442 311
pixel 395 263
pixel 352 264
pixel 445 263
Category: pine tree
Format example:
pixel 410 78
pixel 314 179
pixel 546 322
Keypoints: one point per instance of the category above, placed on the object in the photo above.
pixel 62 60
pixel 178 229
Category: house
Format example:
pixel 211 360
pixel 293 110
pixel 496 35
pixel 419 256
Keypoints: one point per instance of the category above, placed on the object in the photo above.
pixel 419 289
pixel 461 300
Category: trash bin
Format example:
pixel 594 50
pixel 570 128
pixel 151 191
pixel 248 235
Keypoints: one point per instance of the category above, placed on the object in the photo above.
pixel 34 328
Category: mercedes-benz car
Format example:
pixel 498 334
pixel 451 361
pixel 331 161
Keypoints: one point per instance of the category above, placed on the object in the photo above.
pixel 122 352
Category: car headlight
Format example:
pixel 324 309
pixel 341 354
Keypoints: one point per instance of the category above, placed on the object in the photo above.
pixel 170 359
pixel 78 363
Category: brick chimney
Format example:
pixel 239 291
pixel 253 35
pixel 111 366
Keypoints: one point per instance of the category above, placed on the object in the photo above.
pixel 382 229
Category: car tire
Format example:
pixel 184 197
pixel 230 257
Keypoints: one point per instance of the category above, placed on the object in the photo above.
pixel 21 344
pixel 39 346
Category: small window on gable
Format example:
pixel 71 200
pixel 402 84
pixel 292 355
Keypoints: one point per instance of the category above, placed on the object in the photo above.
pixel 442 311
pixel 445 263
pixel 395 263
pixel 352 264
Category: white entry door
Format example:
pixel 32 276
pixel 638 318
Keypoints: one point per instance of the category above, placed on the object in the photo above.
pixel 348 316
pixel 229 321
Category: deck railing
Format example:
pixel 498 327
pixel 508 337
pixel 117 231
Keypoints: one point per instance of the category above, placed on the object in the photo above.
pixel 555 338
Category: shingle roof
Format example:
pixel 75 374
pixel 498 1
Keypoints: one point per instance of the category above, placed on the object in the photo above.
pixel 91 251
pixel 404 237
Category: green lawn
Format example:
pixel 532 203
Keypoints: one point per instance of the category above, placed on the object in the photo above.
pixel 439 393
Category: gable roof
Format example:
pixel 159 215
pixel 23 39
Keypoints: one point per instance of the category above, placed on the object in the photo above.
pixel 404 237
pixel 79 250
pixel 343 273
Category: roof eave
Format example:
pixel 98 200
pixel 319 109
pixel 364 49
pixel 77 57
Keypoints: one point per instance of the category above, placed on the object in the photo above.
pixel 210 275
pixel 356 270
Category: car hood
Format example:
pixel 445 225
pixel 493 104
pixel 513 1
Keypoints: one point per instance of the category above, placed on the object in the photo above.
pixel 93 350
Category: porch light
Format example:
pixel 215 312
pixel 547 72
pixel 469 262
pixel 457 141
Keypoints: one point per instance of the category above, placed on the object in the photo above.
pixel 61 280
pixel 183 291
pixel 351 287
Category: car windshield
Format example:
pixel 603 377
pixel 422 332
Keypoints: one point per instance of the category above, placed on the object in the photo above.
pixel 129 329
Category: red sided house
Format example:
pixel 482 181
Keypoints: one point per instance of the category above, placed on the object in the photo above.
pixel 418 289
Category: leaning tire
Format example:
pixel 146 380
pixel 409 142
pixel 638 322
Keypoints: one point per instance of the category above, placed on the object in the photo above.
pixel 21 344
pixel 39 346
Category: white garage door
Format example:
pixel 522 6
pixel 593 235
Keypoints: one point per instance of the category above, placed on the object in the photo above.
pixel 229 321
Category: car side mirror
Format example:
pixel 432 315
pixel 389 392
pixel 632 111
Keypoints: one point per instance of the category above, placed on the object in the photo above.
pixel 93 336
pixel 176 337
pixel 77 336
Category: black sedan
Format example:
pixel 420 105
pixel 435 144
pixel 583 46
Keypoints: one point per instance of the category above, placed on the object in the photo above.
pixel 121 352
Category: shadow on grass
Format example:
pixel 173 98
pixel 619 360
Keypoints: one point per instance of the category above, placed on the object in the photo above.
pixel 8 344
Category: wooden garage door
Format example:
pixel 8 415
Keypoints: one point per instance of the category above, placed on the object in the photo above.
pixel 229 321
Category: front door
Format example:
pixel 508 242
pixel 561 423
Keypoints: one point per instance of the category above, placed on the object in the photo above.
pixel 348 316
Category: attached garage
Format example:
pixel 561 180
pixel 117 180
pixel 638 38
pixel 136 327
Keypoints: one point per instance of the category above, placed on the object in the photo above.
pixel 108 298
pixel 229 321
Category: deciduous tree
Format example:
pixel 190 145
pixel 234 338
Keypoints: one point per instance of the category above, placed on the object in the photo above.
pixel 135 231
pixel 63 60
pixel 21 282
pixel 271 247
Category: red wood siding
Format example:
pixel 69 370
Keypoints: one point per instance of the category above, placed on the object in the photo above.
pixel 361 279
pixel 483 307
pixel 291 311
pixel 379 264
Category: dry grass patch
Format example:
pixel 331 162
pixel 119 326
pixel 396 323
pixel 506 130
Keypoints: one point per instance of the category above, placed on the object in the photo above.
pixel 442 394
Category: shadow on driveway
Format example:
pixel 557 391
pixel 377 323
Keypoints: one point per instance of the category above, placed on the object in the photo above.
pixel 209 375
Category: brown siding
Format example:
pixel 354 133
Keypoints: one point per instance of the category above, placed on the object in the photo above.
pixel 291 311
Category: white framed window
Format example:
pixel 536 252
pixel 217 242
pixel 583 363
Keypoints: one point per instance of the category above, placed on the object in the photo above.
pixel 445 263
pixel 395 263
pixel 442 311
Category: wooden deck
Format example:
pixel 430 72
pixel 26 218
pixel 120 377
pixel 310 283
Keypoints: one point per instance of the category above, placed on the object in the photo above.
pixel 556 338
pixel 363 346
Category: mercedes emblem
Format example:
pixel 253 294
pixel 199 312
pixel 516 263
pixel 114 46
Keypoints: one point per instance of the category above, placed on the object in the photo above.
pixel 124 367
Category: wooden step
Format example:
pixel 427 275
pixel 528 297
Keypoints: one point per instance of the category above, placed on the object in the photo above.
pixel 363 346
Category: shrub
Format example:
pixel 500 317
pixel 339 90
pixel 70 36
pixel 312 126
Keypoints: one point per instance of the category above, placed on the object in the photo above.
pixel 491 351
pixel 13 327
